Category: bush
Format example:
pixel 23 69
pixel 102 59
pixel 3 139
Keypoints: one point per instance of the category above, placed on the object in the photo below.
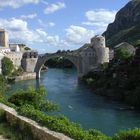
pixel 2 115
pixel 61 124
pixel 131 134
pixel 7 66
pixel 122 53
pixel 34 97
pixel 18 72
pixel 3 85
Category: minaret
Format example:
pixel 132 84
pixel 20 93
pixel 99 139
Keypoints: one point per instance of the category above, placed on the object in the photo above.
pixel 4 39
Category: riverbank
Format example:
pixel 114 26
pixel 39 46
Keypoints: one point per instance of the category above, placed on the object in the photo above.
pixel 120 80
pixel 79 103
pixel 29 126
pixel 26 76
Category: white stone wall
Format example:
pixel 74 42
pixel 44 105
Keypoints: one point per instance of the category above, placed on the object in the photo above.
pixel 4 50
pixel 98 42
pixel 102 55
pixel 102 52
pixel 14 47
pixel 29 64
pixel 15 57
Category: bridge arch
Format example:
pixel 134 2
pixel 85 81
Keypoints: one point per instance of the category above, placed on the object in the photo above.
pixel 42 59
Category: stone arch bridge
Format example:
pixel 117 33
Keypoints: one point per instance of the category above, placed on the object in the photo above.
pixel 75 59
pixel 87 58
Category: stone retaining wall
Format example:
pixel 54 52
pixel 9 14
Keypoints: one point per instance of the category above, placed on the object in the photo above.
pixel 38 132
pixel 26 76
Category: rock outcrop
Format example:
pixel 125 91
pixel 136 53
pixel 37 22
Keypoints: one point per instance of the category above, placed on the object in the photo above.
pixel 126 25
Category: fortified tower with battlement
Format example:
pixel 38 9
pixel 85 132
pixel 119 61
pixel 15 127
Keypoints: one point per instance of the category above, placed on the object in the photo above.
pixel 102 52
pixel 29 60
pixel 4 39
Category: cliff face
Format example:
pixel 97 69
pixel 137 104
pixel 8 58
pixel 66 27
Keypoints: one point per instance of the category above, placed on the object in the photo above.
pixel 126 25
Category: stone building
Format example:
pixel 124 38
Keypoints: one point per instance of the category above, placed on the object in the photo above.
pixel 29 61
pixel 102 52
pixel 4 39
pixel 4 50
pixel 15 57
pixel 14 47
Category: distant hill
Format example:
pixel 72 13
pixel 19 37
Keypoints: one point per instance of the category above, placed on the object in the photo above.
pixel 126 27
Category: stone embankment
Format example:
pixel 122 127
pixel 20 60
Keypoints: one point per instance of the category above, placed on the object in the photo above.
pixel 26 76
pixel 38 132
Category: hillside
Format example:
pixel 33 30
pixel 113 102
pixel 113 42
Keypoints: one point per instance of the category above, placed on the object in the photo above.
pixel 126 26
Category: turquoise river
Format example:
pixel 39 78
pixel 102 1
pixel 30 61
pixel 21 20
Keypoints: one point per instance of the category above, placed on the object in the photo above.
pixel 80 104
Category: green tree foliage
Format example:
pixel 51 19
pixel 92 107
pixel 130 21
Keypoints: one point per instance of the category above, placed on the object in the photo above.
pixel 18 72
pixel 7 66
pixel 122 53
pixel 131 134
pixel 27 48
pixel 121 80
pixel 62 124
pixel 59 62
pixel 3 85
pixel 34 97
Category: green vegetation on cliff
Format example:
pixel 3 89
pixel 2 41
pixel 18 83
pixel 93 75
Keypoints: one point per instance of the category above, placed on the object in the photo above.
pixel 131 35
pixel 120 80
pixel 126 26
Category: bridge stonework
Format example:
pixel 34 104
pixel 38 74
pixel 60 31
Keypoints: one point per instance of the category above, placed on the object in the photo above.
pixel 87 58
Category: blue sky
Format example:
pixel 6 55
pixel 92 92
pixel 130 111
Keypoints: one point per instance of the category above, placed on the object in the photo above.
pixel 50 25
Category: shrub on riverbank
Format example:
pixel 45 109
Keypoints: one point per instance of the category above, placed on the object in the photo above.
pixel 7 66
pixel 121 80
pixel 34 97
pixel 32 103
pixel 61 124
pixel 131 134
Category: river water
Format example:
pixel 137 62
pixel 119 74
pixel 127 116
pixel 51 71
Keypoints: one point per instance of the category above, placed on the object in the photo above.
pixel 80 104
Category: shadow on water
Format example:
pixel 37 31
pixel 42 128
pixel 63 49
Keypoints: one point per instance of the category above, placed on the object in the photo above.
pixel 80 104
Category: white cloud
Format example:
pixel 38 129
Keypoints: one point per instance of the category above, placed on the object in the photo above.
pixel 16 3
pixel 54 7
pixel 30 16
pixel 19 32
pixel 44 25
pixel 77 35
pixel 99 18
pixel 51 24
pixel 100 15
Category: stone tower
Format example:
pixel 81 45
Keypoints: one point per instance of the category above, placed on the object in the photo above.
pixel 102 52
pixel 4 39
pixel 29 61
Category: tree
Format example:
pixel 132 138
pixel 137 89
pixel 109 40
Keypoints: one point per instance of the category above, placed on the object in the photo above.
pixel 27 48
pixel 123 53
pixel 7 66
pixel 2 85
